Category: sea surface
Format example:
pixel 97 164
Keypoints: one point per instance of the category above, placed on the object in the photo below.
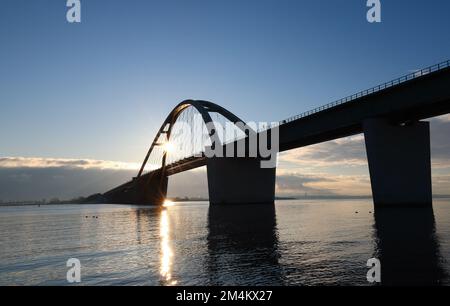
pixel 298 242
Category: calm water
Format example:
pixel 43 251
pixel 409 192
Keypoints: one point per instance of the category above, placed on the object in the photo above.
pixel 292 243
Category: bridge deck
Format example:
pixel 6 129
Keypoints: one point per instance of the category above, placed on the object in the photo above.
pixel 413 99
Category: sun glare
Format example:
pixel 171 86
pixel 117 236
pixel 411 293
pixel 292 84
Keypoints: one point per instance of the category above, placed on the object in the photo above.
pixel 168 203
pixel 168 147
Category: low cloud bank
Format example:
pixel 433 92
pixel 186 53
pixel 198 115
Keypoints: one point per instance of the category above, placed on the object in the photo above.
pixel 38 162
pixel 25 183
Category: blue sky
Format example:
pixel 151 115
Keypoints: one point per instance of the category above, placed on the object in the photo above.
pixel 101 89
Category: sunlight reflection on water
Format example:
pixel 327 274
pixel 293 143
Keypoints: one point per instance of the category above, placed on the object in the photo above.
pixel 166 250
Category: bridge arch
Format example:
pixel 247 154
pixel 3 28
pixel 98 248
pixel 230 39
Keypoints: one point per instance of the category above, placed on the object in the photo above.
pixel 204 108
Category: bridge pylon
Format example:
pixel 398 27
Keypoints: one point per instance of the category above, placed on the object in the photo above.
pixel 399 162
pixel 240 181
pixel 145 190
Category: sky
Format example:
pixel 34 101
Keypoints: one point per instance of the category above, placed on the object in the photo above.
pixel 82 102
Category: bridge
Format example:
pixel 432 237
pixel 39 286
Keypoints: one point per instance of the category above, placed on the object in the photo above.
pixel 389 115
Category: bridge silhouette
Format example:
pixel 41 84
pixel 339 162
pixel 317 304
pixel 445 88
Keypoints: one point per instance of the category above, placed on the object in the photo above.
pixel 389 115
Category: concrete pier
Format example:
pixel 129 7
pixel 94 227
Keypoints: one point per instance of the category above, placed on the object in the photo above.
pixel 399 162
pixel 146 190
pixel 240 181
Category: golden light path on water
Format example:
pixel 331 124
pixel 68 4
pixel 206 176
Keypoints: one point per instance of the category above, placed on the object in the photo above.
pixel 168 203
pixel 166 250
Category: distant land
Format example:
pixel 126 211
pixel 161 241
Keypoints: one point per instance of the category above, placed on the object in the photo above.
pixel 86 200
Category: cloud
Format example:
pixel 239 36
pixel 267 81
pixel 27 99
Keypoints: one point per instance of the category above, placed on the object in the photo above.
pixel 354 185
pixel 444 118
pixel 344 152
pixel 297 184
pixel 37 162
pixel 34 178
pixel 26 183
pixel 193 183
pixel 294 184
pixel 440 142
pixel 441 184
pixel 351 151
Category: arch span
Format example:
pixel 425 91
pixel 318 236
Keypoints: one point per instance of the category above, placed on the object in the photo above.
pixel 245 178
pixel 204 108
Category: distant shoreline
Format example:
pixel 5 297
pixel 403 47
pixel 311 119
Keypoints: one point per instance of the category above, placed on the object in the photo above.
pixel 75 202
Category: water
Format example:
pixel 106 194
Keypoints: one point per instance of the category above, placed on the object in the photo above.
pixel 316 242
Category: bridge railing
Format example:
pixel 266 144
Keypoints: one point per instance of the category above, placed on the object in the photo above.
pixel 397 81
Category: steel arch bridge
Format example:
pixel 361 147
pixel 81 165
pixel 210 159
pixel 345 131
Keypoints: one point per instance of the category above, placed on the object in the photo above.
pixel 189 128
pixel 190 156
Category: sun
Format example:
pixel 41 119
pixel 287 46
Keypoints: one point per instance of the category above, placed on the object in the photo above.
pixel 168 147
pixel 168 203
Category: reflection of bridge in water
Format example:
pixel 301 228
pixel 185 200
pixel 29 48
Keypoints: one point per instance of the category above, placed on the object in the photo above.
pixel 243 246
pixel 389 115
pixel 407 246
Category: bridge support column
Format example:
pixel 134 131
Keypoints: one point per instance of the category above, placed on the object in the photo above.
pixel 153 190
pixel 240 181
pixel 149 189
pixel 399 162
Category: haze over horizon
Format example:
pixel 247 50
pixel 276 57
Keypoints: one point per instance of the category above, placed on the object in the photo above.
pixel 81 103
